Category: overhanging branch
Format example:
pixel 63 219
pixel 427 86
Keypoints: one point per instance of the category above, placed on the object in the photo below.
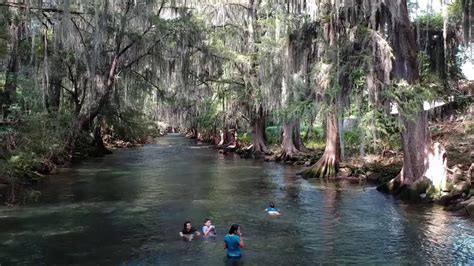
pixel 41 9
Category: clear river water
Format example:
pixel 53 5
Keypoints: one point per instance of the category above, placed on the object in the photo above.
pixel 127 209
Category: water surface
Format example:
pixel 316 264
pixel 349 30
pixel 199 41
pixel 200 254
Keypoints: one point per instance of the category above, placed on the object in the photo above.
pixel 127 208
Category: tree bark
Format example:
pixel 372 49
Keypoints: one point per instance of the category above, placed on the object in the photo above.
pixel 419 158
pixel 328 164
pixel 226 137
pixel 222 136
pixel 83 121
pixel 54 93
pixel 288 144
pixel 414 135
pixel 12 69
pixel 415 143
pixel 292 144
pixel 99 146
pixel 297 140
pixel 259 146
pixel 468 11
pixel 56 75
pixel 309 130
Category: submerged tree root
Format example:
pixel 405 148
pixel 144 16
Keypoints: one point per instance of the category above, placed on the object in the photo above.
pixel 326 167
pixel 292 155
pixel 432 184
pixel 295 157
pixel 252 152
pixel 393 186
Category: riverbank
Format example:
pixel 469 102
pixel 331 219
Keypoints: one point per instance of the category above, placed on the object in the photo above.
pixel 34 147
pixel 454 133
pixel 128 207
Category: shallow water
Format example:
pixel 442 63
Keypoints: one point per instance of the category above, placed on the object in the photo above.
pixel 127 208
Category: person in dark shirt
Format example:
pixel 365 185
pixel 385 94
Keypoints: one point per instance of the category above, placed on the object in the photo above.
pixel 188 231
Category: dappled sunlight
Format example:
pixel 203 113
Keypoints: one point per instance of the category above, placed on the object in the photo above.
pixel 122 119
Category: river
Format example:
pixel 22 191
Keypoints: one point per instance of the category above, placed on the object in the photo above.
pixel 128 207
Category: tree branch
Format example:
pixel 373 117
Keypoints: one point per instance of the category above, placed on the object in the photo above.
pixel 161 7
pixel 134 41
pixel 148 81
pixel 239 5
pixel 80 33
pixel 123 22
pixel 148 52
pixel 41 9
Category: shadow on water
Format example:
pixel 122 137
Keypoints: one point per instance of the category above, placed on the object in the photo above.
pixel 127 208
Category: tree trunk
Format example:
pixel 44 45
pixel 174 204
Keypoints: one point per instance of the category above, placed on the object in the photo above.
pixel 259 146
pixel 235 141
pixel 297 140
pixel 421 161
pixel 414 134
pixel 328 164
pixel 191 132
pixel 226 137
pixel 468 11
pixel 415 143
pixel 288 144
pixel 11 78
pixel 83 121
pixel 229 137
pixel 309 130
pixel 419 158
pixel 222 136
pixel 99 147
pixel 54 93
pixel 56 75
pixel 292 144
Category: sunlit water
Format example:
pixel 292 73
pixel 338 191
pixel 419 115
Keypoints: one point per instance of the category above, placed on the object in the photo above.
pixel 127 208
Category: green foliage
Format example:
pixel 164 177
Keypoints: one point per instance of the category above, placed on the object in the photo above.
pixel 209 117
pixel 129 124
pixel 432 20
pixel 316 138
pixel 33 143
pixel 205 72
pixel 352 138
pixel 469 128
pixel 376 139
pixel 295 109
pixel 424 64
pixel 22 164
pixel 315 133
pixel 455 11
pixel 273 134
pixel 409 98
pixel 245 137
pixel 28 94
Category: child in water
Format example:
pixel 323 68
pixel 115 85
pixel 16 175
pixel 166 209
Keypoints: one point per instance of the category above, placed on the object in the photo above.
pixel 208 229
pixel 272 210
pixel 188 231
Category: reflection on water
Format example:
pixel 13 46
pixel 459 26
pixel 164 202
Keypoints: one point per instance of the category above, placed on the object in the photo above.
pixel 127 208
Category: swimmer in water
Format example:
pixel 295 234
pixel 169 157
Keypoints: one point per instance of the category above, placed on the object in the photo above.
pixel 188 231
pixel 208 229
pixel 271 210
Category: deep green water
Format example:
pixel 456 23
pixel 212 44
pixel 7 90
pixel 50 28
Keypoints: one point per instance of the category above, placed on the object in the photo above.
pixel 127 208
